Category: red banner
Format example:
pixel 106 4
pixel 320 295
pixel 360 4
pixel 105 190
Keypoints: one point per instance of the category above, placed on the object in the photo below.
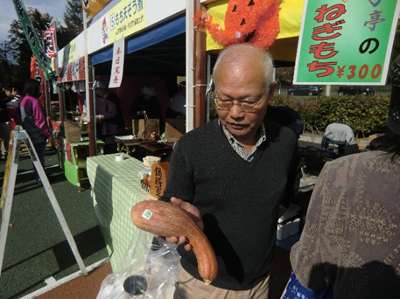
pixel 50 44
pixel 37 73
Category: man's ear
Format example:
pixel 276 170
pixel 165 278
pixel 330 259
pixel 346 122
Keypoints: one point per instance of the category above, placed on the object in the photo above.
pixel 271 91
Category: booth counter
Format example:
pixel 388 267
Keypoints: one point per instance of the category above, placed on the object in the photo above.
pixel 72 155
pixel 72 160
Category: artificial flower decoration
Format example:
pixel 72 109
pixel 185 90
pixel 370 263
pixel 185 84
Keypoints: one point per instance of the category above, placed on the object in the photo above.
pixel 246 21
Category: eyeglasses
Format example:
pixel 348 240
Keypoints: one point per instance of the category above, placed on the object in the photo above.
pixel 246 105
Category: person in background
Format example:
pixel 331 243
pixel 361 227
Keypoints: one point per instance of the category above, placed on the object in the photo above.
pixel 71 98
pixel 177 109
pixel 233 176
pixel 5 130
pixel 147 104
pixel 110 121
pixel 34 120
pixel 350 238
pixel 13 100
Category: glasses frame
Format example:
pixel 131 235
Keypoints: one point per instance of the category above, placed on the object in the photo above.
pixel 239 103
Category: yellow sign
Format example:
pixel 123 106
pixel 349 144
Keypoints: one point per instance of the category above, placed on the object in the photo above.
pixel 70 52
pixel 126 18
pixel 92 7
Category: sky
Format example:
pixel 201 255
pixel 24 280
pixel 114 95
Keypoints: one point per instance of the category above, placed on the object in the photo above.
pixel 54 8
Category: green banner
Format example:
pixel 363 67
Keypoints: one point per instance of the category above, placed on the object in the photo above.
pixel 346 42
pixel 32 38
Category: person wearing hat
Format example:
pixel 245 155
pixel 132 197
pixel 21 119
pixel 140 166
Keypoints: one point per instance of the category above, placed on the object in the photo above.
pixel 110 121
pixel 71 99
pixel 177 109
pixel 350 238
pixel 147 104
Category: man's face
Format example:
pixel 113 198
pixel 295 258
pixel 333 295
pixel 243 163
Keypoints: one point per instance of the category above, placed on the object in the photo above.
pixel 100 92
pixel 240 81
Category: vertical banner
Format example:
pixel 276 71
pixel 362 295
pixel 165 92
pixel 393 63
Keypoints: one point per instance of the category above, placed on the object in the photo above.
pixel 38 74
pixel 346 42
pixel 92 7
pixel 117 69
pixel 50 41
pixel 32 38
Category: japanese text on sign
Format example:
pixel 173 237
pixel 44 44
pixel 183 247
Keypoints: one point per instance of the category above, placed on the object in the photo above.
pixel 126 18
pixel 346 41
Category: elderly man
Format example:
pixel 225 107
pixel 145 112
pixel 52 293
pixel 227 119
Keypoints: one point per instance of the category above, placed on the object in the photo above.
pixel 232 175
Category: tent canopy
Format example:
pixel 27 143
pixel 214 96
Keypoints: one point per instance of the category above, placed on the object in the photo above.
pixel 158 49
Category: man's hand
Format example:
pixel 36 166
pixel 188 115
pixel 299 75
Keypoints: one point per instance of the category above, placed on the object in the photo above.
pixel 194 213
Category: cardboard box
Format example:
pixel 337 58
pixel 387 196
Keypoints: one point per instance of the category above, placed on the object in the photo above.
pixel 288 229
pixel 159 173
pixel 174 128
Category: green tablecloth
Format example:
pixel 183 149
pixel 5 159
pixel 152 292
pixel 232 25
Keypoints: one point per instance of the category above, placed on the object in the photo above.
pixel 116 188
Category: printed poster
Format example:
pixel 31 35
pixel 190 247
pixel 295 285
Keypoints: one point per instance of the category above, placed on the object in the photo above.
pixel 346 42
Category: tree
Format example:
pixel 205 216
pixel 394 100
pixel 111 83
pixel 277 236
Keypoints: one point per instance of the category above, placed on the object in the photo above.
pixel 6 66
pixel 21 52
pixel 73 17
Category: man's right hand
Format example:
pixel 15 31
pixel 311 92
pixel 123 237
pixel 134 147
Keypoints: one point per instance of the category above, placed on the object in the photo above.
pixel 194 213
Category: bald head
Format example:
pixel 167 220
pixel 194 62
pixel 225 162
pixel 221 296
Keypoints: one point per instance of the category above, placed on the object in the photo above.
pixel 245 56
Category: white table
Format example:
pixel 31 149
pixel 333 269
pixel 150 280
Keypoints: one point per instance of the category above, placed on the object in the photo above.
pixel 116 189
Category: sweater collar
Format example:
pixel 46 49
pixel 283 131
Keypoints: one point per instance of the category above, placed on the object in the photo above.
pixel 239 148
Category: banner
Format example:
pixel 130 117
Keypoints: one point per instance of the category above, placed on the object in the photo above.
pixel 122 20
pixel 50 41
pixel 117 69
pixel 37 74
pixel 346 42
pixel 92 7
pixel 32 38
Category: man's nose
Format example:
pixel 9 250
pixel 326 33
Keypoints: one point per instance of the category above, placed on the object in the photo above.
pixel 236 110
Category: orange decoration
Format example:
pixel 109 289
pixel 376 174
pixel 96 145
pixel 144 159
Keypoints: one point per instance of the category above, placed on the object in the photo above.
pixel 246 21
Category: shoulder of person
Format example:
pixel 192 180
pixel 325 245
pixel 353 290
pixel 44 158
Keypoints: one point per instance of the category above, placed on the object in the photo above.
pixel 112 97
pixel 275 131
pixel 203 134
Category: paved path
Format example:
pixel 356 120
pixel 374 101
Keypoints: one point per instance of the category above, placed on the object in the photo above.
pixel 36 248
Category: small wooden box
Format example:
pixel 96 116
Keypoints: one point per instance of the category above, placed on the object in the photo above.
pixel 159 172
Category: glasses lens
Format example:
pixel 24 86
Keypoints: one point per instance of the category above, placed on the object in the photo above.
pixel 246 106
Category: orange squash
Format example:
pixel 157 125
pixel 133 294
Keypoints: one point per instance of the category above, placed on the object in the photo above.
pixel 167 220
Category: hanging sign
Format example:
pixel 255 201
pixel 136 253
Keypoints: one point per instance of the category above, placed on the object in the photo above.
pixel 50 41
pixel 37 73
pixel 122 20
pixel 346 42
pixel 117 69
pixel 93 7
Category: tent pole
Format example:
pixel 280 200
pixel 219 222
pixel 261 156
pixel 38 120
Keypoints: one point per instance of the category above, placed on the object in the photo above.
pixel 200 66
pixel 189 65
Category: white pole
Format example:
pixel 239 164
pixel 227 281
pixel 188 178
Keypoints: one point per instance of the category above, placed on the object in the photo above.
pixel 189 65
pixel 86 63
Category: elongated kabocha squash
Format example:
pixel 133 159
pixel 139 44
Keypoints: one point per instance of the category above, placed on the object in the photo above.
pixel 167 220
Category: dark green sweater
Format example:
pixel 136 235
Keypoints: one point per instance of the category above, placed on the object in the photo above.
pixel 238 200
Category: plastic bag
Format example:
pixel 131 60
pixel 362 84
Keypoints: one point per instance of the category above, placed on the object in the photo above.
pixel 150 276
pixel 294 289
